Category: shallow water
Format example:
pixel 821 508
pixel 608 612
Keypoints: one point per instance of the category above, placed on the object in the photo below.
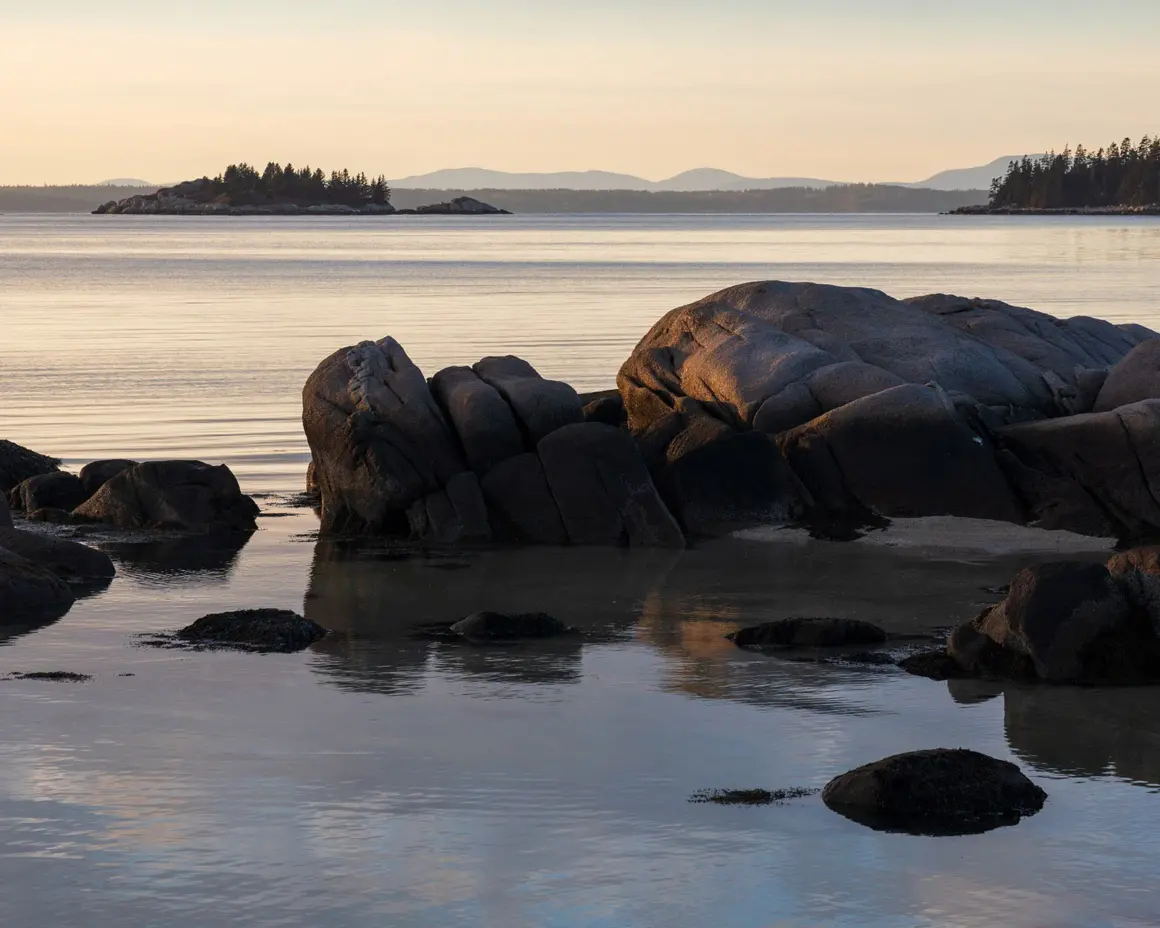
pixel 379 779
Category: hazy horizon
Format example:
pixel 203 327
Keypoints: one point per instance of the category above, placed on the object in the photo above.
pixel 829 89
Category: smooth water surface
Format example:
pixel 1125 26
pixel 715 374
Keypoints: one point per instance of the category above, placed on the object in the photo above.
pixel 380 779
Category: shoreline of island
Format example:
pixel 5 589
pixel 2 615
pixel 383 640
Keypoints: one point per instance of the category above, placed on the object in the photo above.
pixel 1152 209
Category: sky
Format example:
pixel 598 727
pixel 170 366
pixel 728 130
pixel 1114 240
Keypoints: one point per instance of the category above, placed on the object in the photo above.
pixel 839 89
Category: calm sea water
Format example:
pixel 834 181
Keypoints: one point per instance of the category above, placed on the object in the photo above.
pixel 377 779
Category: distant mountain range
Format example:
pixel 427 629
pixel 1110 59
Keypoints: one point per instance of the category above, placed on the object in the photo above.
pixel 976 178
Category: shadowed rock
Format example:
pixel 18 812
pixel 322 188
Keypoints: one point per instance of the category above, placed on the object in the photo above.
pixel 521 503
pixel 96 474
pixel 261 630
pixel 29 591
pixel 184 496
pixel 49 491
pixel 71 561
pixel 17 464
pixel 937 792
pixel 603 489
pixel 605 406
pixel 809 633
pixel 482 419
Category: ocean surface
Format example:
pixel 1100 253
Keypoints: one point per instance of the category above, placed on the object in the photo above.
pixel 378 779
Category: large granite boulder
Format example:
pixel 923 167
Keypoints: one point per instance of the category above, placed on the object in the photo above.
pixel 603 489
pixel 902 452
pixel 17 464
pixel 745 346
pixel 49 491
pixel 1136 377
pixel 96 474
pixel 29 590
pixel 184 496
pixel 1097 473
pixel 379 440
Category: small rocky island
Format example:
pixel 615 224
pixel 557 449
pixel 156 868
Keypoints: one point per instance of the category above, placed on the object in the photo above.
pixel 284 191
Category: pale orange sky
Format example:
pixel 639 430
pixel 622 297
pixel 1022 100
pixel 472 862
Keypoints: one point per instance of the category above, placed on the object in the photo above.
pixel 830 88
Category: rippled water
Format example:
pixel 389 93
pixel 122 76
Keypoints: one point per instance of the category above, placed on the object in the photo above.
pixel 379 779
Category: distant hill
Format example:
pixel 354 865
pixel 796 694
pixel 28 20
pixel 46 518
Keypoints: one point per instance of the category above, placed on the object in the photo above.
pixel 976 178
pixel 852 198
pixel 970 178
pixel 127 182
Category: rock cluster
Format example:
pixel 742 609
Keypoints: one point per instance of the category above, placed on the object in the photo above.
pixel 937 405
pixel 768 403
pixel 481 453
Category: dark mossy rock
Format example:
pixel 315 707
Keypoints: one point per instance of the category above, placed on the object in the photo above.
pixel 499 626
pixel 936 792
pixel 262 630
pixel 809 633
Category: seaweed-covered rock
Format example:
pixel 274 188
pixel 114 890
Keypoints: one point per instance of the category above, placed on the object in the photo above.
pixel 499 626
pixel 49 491
pixel 809 633
pixel 936 792
pixel 263 630
pixel 185 496
pixel 17 464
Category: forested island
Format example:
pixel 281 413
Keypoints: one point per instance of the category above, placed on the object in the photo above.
pixel 1122 179
pixel 240 190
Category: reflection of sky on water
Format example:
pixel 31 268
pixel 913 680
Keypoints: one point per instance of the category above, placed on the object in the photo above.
pixel 380 778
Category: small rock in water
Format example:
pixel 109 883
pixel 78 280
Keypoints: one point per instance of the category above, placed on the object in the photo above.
pixel 498 626
pixel 749 797
pixel 54 676
pixel 937 792
pixel 262 630
pixel 935 665
pixel 809 633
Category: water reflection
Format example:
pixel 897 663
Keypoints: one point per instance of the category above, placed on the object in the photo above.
pixel 202 558
pixel 1086 732
pixel 377 599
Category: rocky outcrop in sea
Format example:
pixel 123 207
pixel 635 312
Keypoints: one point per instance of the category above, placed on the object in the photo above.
pixel 765 404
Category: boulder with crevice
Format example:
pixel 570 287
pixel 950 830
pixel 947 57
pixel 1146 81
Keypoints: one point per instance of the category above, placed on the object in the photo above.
pixel 603 489
pixel 481 417
pixel 540 406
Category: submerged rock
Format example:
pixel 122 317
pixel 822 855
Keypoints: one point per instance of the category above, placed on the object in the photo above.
pixel 750 797
pixel 499 626
pixel 261 630
pixel 184 496
pixel 809 633
pixel 936 792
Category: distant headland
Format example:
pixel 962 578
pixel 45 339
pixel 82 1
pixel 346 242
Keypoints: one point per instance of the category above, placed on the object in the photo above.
pixel 283 191
pixel 1120 180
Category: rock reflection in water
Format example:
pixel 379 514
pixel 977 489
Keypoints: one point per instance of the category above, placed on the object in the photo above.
pixel 204 558
pixel 377 599
pixel 1086 732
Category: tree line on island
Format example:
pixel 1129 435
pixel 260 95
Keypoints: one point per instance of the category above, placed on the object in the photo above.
pixel 305 186
pixel 1122 175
